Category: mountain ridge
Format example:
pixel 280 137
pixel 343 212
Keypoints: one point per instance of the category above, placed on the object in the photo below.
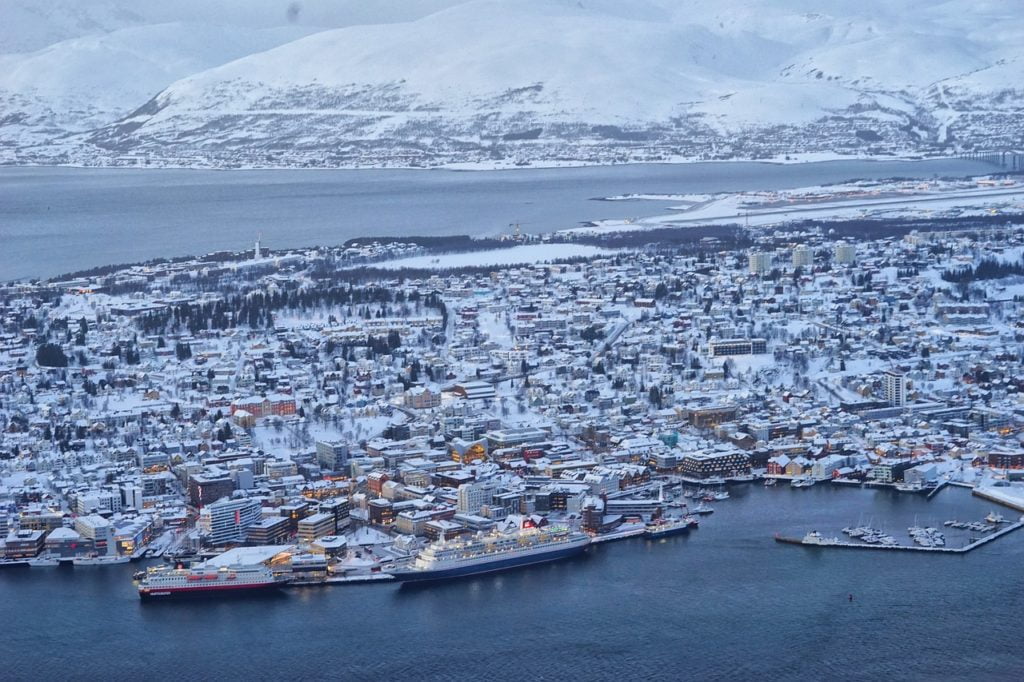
pixel 491 81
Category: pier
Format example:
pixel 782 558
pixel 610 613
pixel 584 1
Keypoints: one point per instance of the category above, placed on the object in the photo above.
pixel 906 548
pixel 935 491
pixel 993 495
pixel 619 535
pixel 343 580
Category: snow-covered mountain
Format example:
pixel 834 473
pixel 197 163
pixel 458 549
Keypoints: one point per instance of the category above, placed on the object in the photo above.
pixel 422 82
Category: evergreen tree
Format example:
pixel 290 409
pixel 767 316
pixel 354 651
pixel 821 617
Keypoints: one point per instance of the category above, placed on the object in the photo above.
pixel 51 355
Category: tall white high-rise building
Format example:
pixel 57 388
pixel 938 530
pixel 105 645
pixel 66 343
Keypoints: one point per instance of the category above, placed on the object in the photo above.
pixel 473 496
pixel 895 388
pixel 760 262
pixel 803 257
pixel 844 254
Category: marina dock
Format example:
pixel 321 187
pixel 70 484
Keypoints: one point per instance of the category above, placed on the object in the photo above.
pixel 905 548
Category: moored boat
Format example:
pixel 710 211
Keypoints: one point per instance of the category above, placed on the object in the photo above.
pixel 162 582
pixel 665 527
pixel 496 551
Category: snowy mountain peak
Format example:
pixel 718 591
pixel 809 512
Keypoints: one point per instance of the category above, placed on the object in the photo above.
pixel 482 80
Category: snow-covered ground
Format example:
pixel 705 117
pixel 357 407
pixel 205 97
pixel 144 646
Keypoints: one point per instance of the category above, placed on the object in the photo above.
pixel 822 203
pixel 529 253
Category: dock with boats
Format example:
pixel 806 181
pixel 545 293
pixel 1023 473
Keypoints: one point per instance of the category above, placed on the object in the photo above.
pixel 815 539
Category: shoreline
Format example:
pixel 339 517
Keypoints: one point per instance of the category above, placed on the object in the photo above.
pixel 469 167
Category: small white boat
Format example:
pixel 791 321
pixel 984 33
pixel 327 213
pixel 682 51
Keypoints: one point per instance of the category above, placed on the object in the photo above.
pixel 43 562
pixel 816 538
pixel 769 482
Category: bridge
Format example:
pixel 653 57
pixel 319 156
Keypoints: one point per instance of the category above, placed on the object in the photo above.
pixel 1009 159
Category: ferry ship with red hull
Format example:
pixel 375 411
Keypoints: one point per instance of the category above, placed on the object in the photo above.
pixel 169 583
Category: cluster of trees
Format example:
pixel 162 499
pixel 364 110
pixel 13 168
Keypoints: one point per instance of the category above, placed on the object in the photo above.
pixel 988 268
pixel 257 309
pixel 51 355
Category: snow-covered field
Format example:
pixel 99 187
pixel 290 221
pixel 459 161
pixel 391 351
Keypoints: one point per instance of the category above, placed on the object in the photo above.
pixel 530 253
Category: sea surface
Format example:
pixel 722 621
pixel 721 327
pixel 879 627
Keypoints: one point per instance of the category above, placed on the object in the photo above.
pixel 58 220
pixel 723 603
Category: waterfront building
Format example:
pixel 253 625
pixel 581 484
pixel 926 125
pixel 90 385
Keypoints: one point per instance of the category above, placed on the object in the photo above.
pixel 890 470
pixel 99 531
pixel 228 520
pixel 270 530
pixel 316 526
pixel 24 544
pixel 700 465
pixel 67 543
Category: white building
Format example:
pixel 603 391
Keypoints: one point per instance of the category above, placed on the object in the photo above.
pixel 227 520
pixel 803 257
pixel 844 253
pixel 473 496
pixel 895 388
pixel 760 262
pixel 99 530
pixel 98 500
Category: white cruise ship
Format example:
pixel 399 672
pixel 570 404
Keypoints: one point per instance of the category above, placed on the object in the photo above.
pixel 164 582
pixel 496 551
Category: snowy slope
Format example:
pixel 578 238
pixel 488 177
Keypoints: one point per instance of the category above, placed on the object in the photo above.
pixel 114 71
pixel 442 81
pixel 30 25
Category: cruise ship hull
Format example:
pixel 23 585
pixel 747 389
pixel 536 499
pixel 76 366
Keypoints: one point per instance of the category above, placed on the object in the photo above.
pixel 494 566
pixel 205 591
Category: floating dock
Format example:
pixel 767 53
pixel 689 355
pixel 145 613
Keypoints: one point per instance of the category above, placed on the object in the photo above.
pixel 905 548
